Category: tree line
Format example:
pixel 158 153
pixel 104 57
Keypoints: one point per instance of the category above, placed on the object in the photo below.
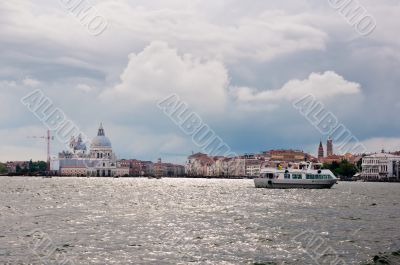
pixel 31 168
pixel 343 169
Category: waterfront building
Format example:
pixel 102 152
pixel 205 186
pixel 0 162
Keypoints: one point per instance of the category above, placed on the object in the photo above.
pixel 146 167
pixel 381 167
pixel 172 170
pixel 159 169
pixel 237 167
pixel 290 155
pixel 202 165
pixel 253 167
pixel 197 164
pixel 12 166
pixel 332 158
pixel 352 159
pixel 137 168
pixel 75 170
pixel 100 161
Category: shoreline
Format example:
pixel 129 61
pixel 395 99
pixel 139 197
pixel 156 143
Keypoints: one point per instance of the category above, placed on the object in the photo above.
pixel 176 177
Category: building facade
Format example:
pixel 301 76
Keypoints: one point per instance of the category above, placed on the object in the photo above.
pixel 381 167
pixel 12 166
pixel 99 161
pixel 290 155
pixel 202 165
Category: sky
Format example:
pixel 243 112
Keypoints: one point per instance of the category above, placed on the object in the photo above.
pixel 239 65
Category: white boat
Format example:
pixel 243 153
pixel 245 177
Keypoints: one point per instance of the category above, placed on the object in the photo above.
pixel 308 175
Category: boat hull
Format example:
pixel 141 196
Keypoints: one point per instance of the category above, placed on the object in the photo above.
pixel 294 184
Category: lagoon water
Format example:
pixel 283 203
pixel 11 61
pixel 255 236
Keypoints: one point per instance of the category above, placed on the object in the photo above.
pixel 194 221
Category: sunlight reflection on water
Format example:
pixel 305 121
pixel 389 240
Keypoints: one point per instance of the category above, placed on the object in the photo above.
pixel 198 221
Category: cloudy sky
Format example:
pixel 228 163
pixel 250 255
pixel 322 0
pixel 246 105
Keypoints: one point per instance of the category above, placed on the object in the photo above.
pixel 238 64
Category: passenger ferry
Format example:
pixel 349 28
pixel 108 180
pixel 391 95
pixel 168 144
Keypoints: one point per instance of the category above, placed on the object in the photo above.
pixel 308 175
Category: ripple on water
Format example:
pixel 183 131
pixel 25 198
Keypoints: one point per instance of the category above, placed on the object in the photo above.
pixel 196 221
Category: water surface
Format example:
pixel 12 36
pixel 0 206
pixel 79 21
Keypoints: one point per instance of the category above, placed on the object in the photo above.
pixel 193 221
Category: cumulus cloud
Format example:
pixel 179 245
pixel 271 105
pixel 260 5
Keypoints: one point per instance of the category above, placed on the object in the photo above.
pixel 214 54
pixel 158 71
pixel 321 85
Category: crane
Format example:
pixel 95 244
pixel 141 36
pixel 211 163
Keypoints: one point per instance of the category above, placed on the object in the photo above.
pixel 48 139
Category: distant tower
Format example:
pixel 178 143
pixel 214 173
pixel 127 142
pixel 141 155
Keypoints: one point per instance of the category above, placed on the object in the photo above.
pixel 320 150
pixel 329 147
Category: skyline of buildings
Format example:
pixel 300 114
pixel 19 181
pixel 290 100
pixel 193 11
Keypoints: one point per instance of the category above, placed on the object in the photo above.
pixel 100 161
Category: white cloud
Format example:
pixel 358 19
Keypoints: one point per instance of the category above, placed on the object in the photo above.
pixel 159 71
pixel 15 153
pixel 30 82
pixel 18 144
pixel 7 84
pixel 260 37
pixel 267 42
pixel 322 86
pixel 376 144
pixel 84 88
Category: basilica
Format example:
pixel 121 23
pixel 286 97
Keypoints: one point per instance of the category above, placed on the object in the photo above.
pixel 99 161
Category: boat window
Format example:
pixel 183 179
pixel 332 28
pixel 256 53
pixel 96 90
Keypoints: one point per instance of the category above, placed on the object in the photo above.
pixel 287 176
pixel 296 176
pixel 310 176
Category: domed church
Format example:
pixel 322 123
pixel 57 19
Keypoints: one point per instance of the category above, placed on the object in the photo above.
pixel 99 162
pixel 101 146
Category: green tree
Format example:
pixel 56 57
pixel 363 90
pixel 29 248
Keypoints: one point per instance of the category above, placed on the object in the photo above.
pixel 344 169
pixel 3 168
pixel 31 166
pixel 18 169
pixel 25 170
pixel 41 166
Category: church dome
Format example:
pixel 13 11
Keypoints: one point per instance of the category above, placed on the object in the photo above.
pixel 101 140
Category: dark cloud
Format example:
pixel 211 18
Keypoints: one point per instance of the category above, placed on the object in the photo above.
pixel 259 45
